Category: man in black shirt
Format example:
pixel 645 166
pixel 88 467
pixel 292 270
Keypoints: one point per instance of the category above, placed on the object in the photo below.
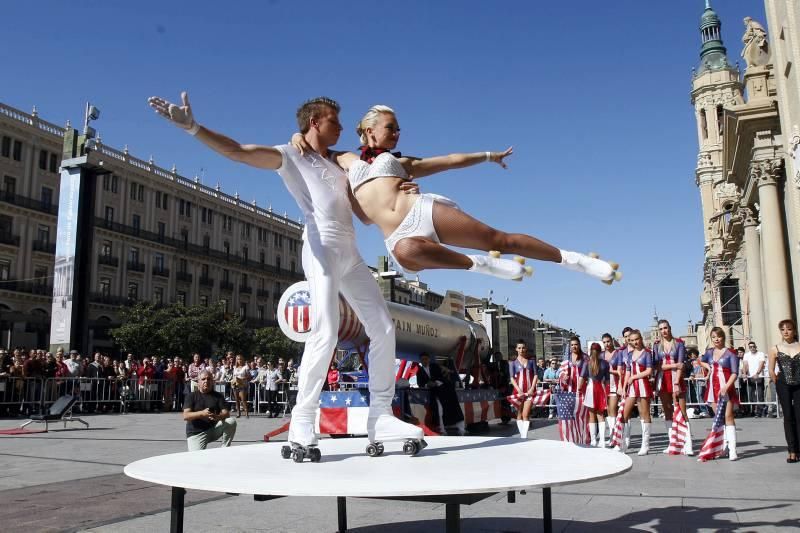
pixel 207 417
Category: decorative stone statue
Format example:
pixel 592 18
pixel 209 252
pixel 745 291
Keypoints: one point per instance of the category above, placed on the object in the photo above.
pixel 756 45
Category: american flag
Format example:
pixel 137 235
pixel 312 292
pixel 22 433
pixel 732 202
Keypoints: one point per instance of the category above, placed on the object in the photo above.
pixel 343 412
pixel 541 398
pixel 573 423
pixel 680 431
pixel 619 425
pixel 714 445
pixel 298 311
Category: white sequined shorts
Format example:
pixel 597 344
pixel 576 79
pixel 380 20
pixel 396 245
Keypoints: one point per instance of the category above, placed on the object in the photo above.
pixel 417 223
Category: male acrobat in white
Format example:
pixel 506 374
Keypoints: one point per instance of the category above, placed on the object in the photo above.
pixel 331 263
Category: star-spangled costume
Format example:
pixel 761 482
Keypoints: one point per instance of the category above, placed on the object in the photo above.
pixel 596 395
pixel 639 388
pixel 523 376
pixel 667 380
pixel 721 371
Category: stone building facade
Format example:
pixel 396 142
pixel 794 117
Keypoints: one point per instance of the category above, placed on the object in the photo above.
pixel 749 206
pixel 158 236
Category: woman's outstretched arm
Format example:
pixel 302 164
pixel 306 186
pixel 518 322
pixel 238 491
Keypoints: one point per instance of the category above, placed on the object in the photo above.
pixel 418 168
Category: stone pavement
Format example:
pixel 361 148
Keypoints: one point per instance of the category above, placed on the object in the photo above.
pixel 71 480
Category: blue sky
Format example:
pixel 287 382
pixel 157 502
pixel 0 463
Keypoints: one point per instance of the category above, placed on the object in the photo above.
pixel 594 97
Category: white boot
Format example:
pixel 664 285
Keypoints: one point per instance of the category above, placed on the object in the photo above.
pixel 523 426
pixel 302 432
pixel 688 447
pixel 626 437
pixel 593 434
pixel 519 428
pixel 610 424
pixel 645 439
pixel 499 267
pixel 386 428
pixel 668 427
pixel 595 267
pixel 601 442
pixel 730 432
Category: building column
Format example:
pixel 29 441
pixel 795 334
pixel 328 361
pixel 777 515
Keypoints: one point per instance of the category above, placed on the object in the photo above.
pixel 773 249
pixel 755 293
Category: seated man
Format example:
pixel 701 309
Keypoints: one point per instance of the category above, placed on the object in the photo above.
pixel 207 418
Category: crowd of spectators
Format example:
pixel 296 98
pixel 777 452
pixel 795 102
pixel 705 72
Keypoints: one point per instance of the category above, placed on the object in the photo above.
pixel 30 379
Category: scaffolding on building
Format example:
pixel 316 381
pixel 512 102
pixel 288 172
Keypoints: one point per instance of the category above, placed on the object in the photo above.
pixel 726 298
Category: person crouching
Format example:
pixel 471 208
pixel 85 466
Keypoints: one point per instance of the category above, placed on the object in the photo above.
pixel 207 418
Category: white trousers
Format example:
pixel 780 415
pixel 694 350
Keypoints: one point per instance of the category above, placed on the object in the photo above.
pixel 333 266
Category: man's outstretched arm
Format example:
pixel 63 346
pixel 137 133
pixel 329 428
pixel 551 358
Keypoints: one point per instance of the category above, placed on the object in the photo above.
pixel 250 154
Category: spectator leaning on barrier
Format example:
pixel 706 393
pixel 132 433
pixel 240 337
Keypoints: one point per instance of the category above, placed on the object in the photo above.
pixel 73 364
pixel 207 418
pixel 754 363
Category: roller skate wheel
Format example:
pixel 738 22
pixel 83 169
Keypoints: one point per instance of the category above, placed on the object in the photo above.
pixel 529 271
pixel 617 276
pixel 494 253
pixel 286 452
pixel 410 447
pixel 615 266
pixel 372 450
pixel 297 455
pixel 380 449
pixel 519 259
pixel 594 255
pixel 607 281
pixel 315 455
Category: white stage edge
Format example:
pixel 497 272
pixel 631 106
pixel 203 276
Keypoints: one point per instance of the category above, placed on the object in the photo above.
pixel 448 466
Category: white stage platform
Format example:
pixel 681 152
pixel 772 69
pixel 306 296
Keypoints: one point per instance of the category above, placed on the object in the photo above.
pixel 451 470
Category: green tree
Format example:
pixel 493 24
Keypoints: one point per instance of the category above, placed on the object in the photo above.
pixel 271 341
pixel 138 333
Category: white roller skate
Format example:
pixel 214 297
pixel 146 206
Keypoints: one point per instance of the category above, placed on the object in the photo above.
pixel 607 272
pixel 388 428
pixel 302 443
pixel 494 265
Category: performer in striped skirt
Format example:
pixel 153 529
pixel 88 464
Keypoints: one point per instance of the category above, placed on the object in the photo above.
pixel 616 370
pixel 639 368
pixel 670 353
pixel 524 381
pixel 723 367
pixel 595 374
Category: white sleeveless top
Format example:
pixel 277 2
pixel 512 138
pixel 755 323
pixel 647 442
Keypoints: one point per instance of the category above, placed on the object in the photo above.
pixel 382 166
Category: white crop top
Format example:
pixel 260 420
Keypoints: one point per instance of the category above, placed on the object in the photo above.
pixel 382 166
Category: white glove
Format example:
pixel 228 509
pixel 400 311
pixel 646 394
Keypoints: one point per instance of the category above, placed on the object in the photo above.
pixel 181 116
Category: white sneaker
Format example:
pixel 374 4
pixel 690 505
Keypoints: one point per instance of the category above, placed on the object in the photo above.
pixel 388 428
pixel 302 433
pixel 499 267
pixel 593 266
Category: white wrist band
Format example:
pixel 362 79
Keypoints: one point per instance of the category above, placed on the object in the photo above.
pixel 488 156
pixel 195 128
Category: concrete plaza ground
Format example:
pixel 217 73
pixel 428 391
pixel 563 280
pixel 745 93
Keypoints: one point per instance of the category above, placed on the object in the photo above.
pixel 72 480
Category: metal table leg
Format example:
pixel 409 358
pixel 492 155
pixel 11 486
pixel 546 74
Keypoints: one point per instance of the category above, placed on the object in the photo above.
pixel 341 507
pixel 547 510
pixel 452 518
pixel 176 510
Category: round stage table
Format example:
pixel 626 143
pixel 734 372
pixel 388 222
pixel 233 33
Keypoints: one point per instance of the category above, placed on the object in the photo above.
pixel 451 470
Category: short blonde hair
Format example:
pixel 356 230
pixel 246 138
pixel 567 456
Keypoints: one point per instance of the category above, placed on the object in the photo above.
pixel 369 120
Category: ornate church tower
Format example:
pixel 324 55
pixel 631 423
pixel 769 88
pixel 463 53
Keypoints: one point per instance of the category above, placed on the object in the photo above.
pixel 715 85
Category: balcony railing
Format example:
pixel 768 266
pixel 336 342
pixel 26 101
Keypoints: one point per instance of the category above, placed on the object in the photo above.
pixel 197 250
pixel 262 293
pixel 225 286
pixel 28 287
pixel 244 289
pixel 7 238
pixel 206 281
pixel 28 203
pixel 161 271
pixel 108 260
pixel 135 266
pixel 183 276
pixel 44 246
pixel 109 299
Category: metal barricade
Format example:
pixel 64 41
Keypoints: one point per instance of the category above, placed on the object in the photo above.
pixel 95 394
pixel 19 395
pixel 149 394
